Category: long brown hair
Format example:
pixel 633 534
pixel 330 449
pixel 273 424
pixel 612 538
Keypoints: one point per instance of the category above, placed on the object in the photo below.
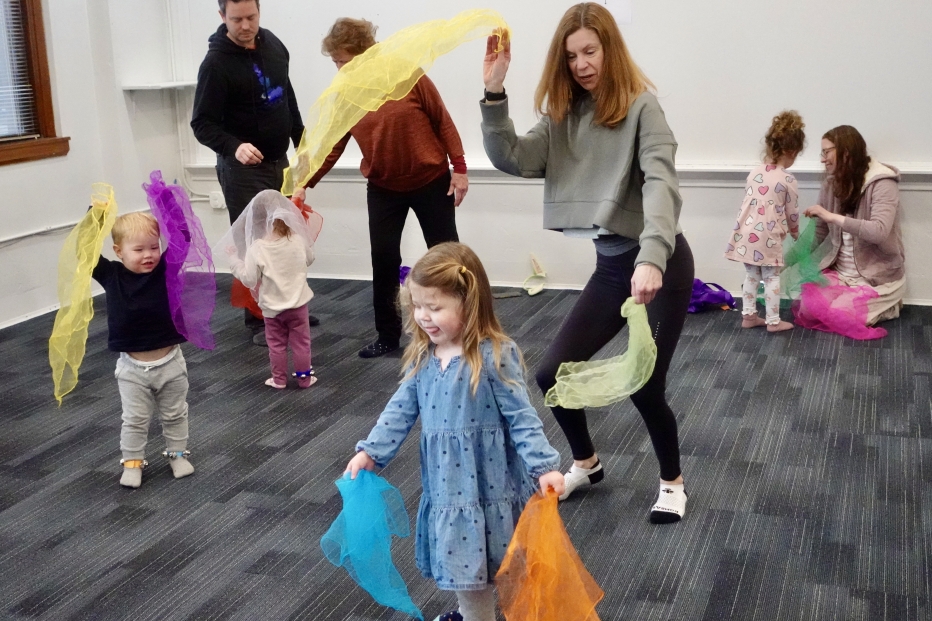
pixel 455 270
pixel 851 164
pixel 621 81
pixel 785 136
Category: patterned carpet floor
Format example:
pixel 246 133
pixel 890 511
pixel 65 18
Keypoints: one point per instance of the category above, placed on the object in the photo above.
pixel 805 456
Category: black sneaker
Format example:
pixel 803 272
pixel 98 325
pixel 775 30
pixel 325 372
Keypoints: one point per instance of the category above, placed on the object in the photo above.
pixel 379 348
pixel 312 320
pixel 259 339
pixel 450 616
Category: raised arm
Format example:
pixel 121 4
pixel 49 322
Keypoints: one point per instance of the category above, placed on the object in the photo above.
pixel 496 62
pixel 522 157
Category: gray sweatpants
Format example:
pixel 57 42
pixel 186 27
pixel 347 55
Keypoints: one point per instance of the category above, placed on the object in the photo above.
pixel 147 387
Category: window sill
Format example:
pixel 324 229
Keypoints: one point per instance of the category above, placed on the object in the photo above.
pixel 29 150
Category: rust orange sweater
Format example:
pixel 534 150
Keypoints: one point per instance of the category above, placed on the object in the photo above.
pixel 405 144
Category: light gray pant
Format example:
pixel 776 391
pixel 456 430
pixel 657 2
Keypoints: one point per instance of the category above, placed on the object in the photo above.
pixel 147 387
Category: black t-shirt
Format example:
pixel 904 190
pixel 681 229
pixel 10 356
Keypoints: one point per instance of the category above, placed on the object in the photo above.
pixel 138 314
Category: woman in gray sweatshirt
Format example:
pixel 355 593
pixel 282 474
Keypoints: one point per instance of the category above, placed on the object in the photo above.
pixel 606 155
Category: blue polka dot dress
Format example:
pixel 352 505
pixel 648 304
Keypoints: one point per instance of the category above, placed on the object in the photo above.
pixel 479 461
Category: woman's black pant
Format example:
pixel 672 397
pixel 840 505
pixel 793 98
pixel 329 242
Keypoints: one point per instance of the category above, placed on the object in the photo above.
pixel 596 319
pixel 387 213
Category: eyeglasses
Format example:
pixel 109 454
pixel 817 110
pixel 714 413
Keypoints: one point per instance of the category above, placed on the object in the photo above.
pixel 824 152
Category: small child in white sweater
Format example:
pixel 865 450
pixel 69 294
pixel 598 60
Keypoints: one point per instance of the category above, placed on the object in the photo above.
pixel 278 250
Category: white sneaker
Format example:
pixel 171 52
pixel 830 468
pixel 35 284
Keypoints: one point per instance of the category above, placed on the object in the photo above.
pixel 578 477
pixel 670 505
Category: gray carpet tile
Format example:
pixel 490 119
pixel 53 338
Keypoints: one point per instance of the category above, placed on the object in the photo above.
pixel 808 460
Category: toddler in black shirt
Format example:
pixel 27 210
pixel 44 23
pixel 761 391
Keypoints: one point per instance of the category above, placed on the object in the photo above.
pixel 151 371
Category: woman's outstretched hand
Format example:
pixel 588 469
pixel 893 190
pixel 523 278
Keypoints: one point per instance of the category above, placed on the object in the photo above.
pixel 495 65
pixel 645 283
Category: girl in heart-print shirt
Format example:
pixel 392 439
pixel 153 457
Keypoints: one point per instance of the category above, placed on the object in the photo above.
pixel 770 209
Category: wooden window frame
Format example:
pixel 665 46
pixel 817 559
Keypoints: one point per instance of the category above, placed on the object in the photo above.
pixel 47 144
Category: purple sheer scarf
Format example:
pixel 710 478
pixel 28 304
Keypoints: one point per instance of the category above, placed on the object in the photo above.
pixel 189 268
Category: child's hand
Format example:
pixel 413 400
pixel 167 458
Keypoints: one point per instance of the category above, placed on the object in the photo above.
pixel 552 480
pixel 362 461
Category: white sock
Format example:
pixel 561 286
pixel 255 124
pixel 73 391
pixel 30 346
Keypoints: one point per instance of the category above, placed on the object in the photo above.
pixel 670 505
pixel 477 605
pixel 594 468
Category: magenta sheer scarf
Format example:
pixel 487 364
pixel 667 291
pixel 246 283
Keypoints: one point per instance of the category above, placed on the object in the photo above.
pixel 189 268
pixel 837 308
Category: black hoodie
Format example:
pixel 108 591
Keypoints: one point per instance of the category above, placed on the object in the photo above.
pixel 245 96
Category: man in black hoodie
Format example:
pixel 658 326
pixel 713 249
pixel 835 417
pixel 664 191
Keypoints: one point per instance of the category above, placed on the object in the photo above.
pixel 245 110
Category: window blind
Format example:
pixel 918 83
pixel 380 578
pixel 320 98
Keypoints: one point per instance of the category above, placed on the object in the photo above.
pixel 17 99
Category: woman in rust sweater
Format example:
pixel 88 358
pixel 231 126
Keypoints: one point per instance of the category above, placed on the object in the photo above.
pixel 407 148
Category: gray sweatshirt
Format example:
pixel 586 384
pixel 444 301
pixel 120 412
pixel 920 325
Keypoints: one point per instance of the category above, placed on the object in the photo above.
pixel 622 179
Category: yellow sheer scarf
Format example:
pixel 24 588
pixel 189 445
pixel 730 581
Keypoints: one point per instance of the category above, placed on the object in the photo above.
pixel 385 72
pixel 75 264
pixel 603 382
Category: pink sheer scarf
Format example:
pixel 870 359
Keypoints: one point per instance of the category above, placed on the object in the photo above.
pixel 837 308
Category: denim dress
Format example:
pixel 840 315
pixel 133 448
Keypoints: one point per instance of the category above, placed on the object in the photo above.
pixel 480 457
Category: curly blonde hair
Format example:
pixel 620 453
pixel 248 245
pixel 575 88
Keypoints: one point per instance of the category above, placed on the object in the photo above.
pixel 354 36
pixel 785 136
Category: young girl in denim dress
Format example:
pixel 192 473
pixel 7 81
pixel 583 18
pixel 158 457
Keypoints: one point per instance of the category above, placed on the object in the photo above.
pixel 482 443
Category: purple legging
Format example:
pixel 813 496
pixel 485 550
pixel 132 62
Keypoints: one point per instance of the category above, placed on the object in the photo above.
pixel 289 327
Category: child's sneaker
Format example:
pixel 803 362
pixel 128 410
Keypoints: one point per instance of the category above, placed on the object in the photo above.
pixel 450 616
pixel 178 460
pixel 271 382
pixel 132 472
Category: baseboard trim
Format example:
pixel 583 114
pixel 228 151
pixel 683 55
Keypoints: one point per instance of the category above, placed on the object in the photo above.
pixel 557 286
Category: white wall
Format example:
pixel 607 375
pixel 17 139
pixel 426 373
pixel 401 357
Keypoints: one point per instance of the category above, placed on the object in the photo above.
pixel 115 137
pixel 119 137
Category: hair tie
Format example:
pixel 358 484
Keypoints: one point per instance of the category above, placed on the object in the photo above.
pixel 463 269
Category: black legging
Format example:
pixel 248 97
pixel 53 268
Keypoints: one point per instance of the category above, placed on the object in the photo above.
pixel 596 319
pixel 387 213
